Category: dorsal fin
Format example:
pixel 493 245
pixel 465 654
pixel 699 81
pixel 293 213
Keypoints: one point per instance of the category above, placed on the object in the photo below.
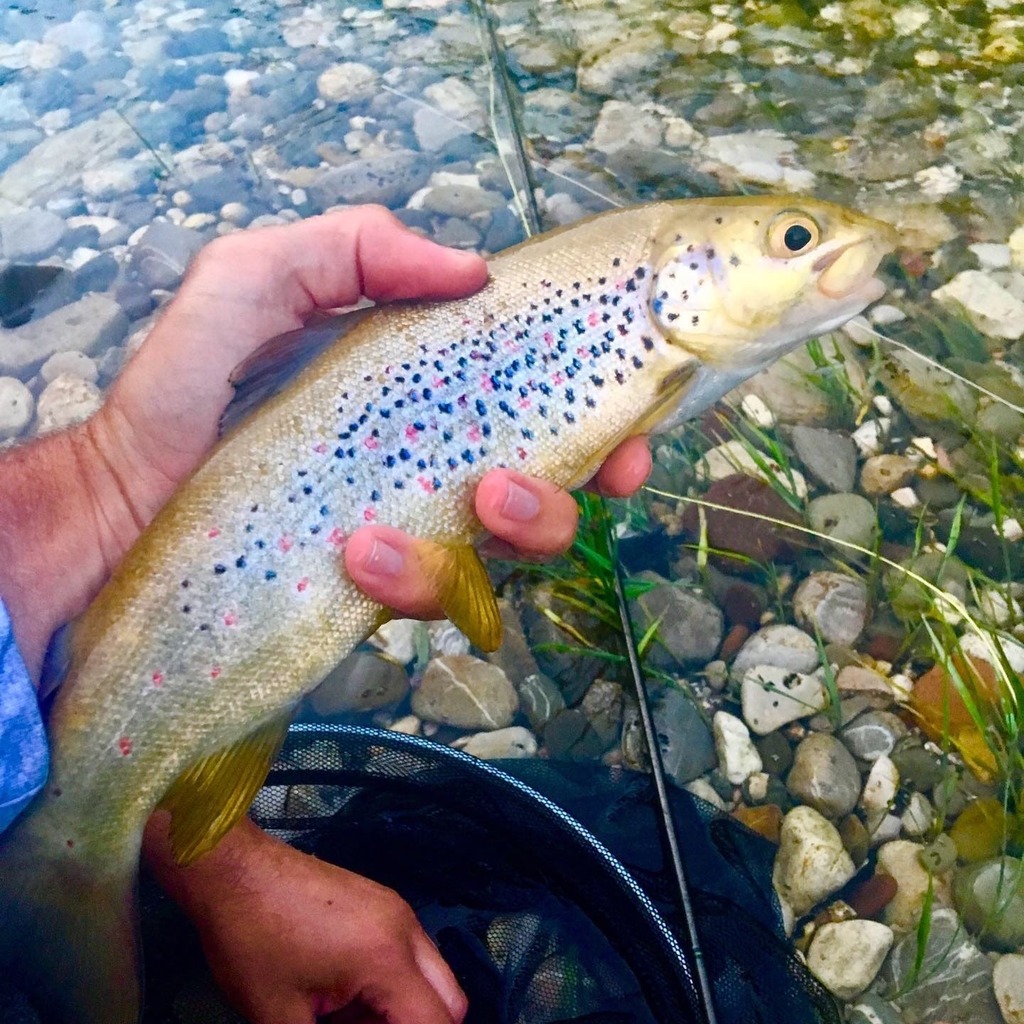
pixel 275 363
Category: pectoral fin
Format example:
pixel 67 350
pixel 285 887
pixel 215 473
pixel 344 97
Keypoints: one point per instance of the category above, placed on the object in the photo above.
pixel 463 590
pixel 209 798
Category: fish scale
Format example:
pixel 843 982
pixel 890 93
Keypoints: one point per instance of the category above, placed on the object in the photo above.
pixel 234 602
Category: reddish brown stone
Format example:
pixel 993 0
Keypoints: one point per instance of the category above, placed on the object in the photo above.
pixel 734 640
pixel 871 897
pixel 765 820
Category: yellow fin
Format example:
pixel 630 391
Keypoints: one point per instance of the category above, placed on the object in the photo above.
pixel 210 797
pixel 463 590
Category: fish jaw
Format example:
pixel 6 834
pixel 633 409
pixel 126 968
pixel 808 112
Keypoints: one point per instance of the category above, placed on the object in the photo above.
pixel 729 289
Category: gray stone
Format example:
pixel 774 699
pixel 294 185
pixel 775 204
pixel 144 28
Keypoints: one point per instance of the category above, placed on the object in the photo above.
pixel 464 691
pixel 513 654
pixel 89 325
pixel 954 982
pixel 514 742
pixel 16 407
pixel 65 401
pixel 362 682
pixel 872 1009
pixel 349 82
pixel 776 753
pixel 928 395
pixel 622 126
pixel 689 626
pixel 118 178
pixel 873 734
pixel 833 605
pixel 75 364
pixel 602 704
pixel 608 70
pixel 389 180
pixel 163 253
pixel 990 898
pixel 540 699
pixel 461 200
pixel 568 735
pixel 402 639
pixel 59 159
pixel 458 234
pixel 811 863
pixel 780 646
pixel 824 776
pixel 883 474
pixel 846 519
pixel 919 769
pixel 687 748
pixel 829 456
pixel 30 234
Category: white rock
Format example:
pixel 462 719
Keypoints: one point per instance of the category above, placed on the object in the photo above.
pixel 901 860
pixel 1008 981
pixel 398 638
pixel 350 82
pixel 938 182
pixel 489 746
pixel 766 157
pixel 75 364
pixel 737 756
pixel 66 400
pixel 705 791
pixel 859 330
pixel 757 786
pixel 992 255
pixel 239 81
pixel 884 314
pixel 845 956
pixel 870 436
pixel 409 725
pixel 918 817
pixel 811 862
pixel 885 831
pixel 988 305
pixel 983 646
pixel 16 407
pixel 774 696
pixel 905 497
pixel 735 457
pixel 780 645
pixel 756 410
pixel 880 787
pixel 622 125
pixel 1016 244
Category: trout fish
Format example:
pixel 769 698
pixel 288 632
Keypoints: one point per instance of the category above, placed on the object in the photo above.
pixel 234 602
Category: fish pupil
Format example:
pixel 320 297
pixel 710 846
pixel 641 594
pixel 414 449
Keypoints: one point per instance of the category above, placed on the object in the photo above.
pixel 796 237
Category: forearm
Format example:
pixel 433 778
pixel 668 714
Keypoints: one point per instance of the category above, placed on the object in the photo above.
pixel 65 520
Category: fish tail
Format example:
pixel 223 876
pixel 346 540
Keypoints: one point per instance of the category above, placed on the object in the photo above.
pixel 68 935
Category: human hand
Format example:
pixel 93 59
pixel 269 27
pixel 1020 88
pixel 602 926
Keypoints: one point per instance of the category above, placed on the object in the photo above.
pixel 291 939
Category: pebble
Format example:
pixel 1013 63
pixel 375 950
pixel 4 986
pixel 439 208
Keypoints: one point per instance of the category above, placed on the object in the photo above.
pixel 401 639
pixel 347 83
pixel 828 455
pixel 16 407
pixel 873 734
pixel 65 401
pixel 995 311
pixel 883 474
pixel 690 627
pixel 880 788
pixel 737 756
pixel 870 898
pixel 1008 983
pixel 75 364
pixel 687 746
pixel 824 776
pixel 778 646
pixel 901 859
pixel 602 704
pixel 932 399
pixel 464 691
pixel 30 234
pixel 845 956
pixel 872 1009
pixel 163 252
pixel 388 180
pixel 513 742
pixel 811 863
pixel 951 982
pixel 361 682
pixel 624 126
pixel 845 519
pixel 773 697
pixel 990 898
pixel 540 699
pixel 919 817
pixel 832 605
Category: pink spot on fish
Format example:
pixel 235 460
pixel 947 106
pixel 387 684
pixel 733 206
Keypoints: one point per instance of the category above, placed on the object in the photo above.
pixel 124 744
pixel 213 533
pixel 230 619
pixel 369 514
pixel 594 318
pixel 411 432
pixel 558 379
pixel 524 403
pixel 439 382
pixel 549 338
pixel 427 485
pixel 521 452
pixel 320 448
pixel 473 433
pixel 286 543
pixel 158 679
pixel 372 443
pixel 337 538
pixel 486 383
pixel 302 585
pixel 215 672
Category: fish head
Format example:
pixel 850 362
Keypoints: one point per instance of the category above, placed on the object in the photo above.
pixel 738 282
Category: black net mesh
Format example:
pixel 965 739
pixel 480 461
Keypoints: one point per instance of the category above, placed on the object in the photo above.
pixel 543 884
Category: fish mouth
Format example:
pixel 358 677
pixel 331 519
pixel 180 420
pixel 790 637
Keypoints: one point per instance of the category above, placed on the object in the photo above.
pixel 847 271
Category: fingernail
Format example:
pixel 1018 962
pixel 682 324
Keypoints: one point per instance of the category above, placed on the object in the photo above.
pixel 520 505
pixel 384 560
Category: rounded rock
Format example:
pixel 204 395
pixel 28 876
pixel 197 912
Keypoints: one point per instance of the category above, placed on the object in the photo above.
pixel 990 898
pixel 1008 981
pixel 514 742
pixel 350 82
pixel 464 691
pixel 845 956
pixel 65 401
pixel 845 519
pixel 902 860
pixel 780 646
pixel 737 756
pixel 824 776
pixel 772 697
pixel 883 474
pixel 75 364
pixel 16 407
pixel 833 604
pixel 811 863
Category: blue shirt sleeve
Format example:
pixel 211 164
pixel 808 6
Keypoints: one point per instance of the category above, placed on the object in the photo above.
pixel 23 755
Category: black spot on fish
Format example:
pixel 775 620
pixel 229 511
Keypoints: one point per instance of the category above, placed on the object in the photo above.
pixel 184 583
pixel 734 260
pixel 695 320
pixel 220 569
pixel 240 562
pixel 270 575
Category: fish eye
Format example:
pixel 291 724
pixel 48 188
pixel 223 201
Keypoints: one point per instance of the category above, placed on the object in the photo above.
pixel 792 234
